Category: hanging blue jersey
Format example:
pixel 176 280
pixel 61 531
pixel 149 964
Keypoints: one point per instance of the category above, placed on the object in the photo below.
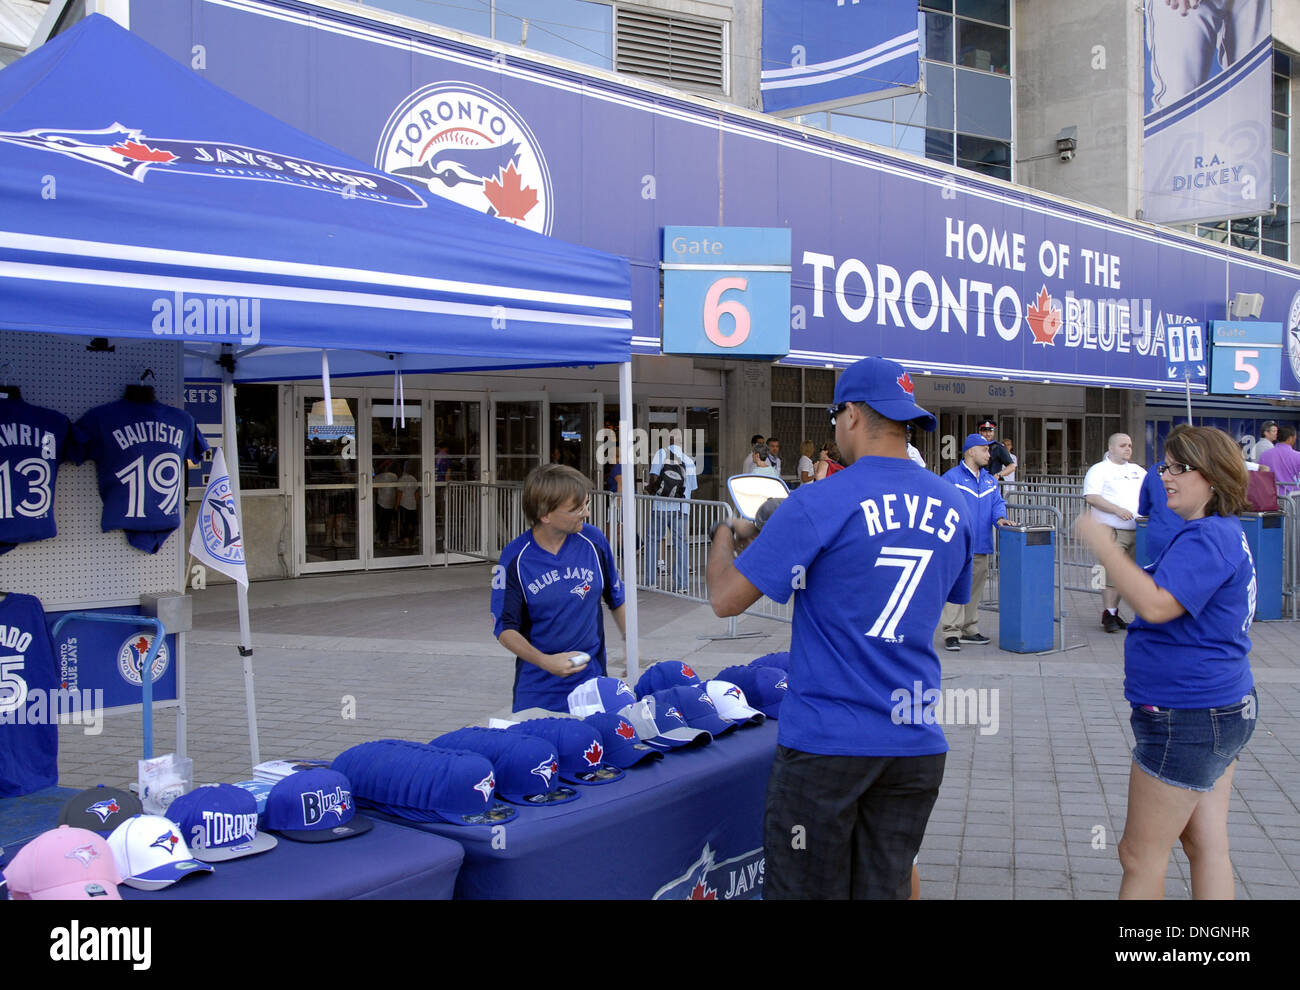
pixel 871 554
pixel 553 601
pixel 140 449
pixel 29 735
pixel 1202 658
pixel 33 442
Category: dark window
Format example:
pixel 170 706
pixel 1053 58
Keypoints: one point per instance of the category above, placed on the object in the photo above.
pixel 257 433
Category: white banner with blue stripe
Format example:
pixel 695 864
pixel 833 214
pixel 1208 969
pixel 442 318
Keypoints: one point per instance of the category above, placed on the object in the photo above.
pixel 1207 127
pixel 828 52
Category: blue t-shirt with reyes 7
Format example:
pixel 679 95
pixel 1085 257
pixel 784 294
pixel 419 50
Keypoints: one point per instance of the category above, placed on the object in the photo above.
pixel 871 555
pixel 1202 658
pixel 553 601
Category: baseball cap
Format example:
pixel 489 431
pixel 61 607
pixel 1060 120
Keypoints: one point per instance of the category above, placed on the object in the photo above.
pixel 64 864
pixel 151 854
pixel 696 707
pixel 623 747
pixel 600 694
pixel 527 767
pixel 314 806
pixel 780 660
pixel 100 809
pixel 664 730
pixel 421 783
pixel 730 701
pixel 988 424
pixel 886 387
pixel 765 687
pixel 581 748
pixel 666 674
pixel 973 440
pixel 221 821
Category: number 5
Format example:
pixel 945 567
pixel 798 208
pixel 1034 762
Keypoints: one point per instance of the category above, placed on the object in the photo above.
pixel 11 683
pixel 1251 372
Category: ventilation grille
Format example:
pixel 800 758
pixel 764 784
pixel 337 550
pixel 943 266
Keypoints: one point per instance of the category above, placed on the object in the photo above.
pixel 676 50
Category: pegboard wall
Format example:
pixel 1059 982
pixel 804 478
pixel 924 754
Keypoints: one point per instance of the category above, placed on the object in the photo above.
pixel 83 567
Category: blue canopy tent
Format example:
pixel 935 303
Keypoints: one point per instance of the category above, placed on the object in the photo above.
pixel 182 213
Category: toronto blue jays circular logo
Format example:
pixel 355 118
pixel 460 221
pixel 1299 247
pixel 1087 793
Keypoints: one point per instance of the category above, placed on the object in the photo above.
pixel 131 654
pixel 219 525
pixel 468 145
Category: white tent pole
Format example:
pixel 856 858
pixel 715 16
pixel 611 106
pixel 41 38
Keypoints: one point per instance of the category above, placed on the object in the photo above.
pixel 629 515
pixel 229 444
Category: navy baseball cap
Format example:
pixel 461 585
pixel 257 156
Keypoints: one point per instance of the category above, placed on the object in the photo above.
pixel 779 660
pixel 219 822
pixel 422 783
pixel 886 387
pixel 665 674
pixel 100 809
pixel 581 748
pixel 764 687
pixel 527 767
pixel 314 806
pixel 623 747
pixel 600 694
pixel 973 440
pixel 696 707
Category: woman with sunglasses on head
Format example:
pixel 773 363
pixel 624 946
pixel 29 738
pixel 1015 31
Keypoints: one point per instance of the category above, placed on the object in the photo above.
pixel 1187 668
pixel 547 588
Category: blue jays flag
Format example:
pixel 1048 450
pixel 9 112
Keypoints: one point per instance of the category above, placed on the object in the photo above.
pixel 218 540
pixel 835 51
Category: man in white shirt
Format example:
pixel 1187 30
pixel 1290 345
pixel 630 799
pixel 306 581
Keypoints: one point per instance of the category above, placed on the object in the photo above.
pixel 674 473
pixel 1112 487
pixel 1267 437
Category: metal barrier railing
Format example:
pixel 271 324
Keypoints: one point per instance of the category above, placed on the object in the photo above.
pixel 1290 506
pixel 1059 509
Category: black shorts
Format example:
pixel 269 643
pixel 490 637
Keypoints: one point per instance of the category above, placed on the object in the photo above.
pixel 846 827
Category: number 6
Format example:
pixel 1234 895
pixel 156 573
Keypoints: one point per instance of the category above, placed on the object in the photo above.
pixel 714 310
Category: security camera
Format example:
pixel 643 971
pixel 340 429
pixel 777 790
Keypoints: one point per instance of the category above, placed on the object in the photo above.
pixel 1067 142
pixel 1067 154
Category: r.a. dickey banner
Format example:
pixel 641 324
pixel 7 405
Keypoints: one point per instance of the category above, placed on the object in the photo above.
pixel 831 52
pixel 1207 129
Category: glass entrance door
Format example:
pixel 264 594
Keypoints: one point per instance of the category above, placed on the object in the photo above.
pixel 397 497
pixel 328 532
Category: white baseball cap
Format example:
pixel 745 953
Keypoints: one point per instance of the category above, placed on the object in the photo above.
pixel 731 702
pixel 151 854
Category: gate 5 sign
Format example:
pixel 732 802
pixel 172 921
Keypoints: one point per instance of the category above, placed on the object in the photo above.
pixel 1247 358
pixel 726 291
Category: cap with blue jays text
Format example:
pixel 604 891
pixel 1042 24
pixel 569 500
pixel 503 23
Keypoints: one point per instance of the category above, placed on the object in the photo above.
pixel 151 854
pixel 527 767
pixel 600 694
pixel 696 707
pixel 581 749
pixel 764 687
pixel 623 747
pixel 666 674
pixel 100 809
pixel 220 823
pixel 314 806
pixel 886 387
pixel 421 783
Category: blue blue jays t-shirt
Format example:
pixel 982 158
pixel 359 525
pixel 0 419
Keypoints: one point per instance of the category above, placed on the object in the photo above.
pixel 553 601
pixel 33 440
pixel 871 554
pixel 140 450
pixel 29 736
pixel 1202 658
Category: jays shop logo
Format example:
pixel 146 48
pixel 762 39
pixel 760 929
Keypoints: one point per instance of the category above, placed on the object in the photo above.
pixel 131 654
pixel 130 153
pixel 738 878
pixel 470 146
pixel 218 524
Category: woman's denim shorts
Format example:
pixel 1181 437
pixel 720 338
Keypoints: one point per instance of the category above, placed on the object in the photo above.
pixel 1192 747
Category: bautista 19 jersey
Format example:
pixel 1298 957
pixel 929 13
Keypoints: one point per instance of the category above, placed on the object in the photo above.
pixel 139 450
pixel 33 441
pixel 29 736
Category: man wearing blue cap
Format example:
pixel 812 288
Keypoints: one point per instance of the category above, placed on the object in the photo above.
pixel 987 510
pixel 874 550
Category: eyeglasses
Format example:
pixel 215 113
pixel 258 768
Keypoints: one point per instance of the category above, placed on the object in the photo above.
pixel 1175 469
pixel 582 511
pixel 834 411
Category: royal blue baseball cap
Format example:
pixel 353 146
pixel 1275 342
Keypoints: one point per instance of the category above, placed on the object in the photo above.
pixel 600 694
pixel 665 674
pixel 886 387
pixel 314 806
pixel 765 687
pixel 973 440
pixel 423 783
pixel 696 707
pixel 581 748
pixel 219 821
pixel 779 660
pixel 623 747
pixel 527 767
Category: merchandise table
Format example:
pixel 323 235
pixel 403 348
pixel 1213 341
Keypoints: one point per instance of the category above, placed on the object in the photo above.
pixel 689 826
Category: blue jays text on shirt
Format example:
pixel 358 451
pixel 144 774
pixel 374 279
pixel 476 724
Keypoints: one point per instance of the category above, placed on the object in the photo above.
pixel 26 435
pixel 583 574
pixel 149 431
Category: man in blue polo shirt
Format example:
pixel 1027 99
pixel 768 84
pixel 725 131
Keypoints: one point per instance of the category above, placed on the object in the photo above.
pixel 874 551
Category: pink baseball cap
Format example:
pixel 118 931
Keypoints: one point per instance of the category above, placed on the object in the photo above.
pixel 64 864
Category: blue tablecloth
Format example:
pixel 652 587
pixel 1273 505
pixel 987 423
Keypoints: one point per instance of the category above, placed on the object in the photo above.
pixel 688 826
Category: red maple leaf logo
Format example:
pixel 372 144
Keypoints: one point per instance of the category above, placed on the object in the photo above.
pixel 1044 319
pixel 703 892
pixel 142 646
pixel 687 670
pixel 594 753
pixel 905 383
pixel 143 153
pixel 509 197
pixel 626 731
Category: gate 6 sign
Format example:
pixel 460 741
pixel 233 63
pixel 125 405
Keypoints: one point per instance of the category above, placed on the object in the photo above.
pixel 1247 358
pixel 726 291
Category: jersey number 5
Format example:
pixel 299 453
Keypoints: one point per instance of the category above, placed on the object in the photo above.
pixel 912 564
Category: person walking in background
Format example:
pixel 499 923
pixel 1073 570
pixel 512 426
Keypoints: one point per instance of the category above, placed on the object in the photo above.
pixel 1284 461
pixel 1186 668
pixel 986 510
pixel 806 467
pixel 829 461
pixel 774 454
pixel 1267 437
pixel 1009 476
pixel 1112 487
